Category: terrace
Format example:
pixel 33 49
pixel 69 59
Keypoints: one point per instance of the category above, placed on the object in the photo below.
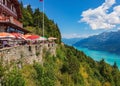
pixel 11 21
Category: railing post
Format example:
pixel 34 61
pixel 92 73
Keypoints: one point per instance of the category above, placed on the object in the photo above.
pixel 11 20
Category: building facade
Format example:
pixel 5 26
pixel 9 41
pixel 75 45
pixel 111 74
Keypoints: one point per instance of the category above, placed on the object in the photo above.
pixel 10 15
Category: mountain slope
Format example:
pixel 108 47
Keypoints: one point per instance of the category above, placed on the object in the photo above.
pixel 69 67
pixel 71 41
pixel 107 41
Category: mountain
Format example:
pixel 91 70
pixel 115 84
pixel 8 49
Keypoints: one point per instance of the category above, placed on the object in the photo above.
pixel 70 41
pixel 106 41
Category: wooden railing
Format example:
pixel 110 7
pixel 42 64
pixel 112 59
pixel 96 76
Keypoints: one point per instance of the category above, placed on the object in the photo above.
pixel 4 19
pixel 9 10
pixel 11 20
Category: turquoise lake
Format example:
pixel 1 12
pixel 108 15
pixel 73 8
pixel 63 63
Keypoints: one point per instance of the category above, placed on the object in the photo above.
pixel 98 55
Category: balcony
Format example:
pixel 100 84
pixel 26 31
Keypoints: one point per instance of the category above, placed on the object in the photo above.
pixel 5 8
pixel 11 20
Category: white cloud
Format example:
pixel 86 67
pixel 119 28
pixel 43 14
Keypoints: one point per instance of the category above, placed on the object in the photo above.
pixel 75 35
pixel 99 18
pixel 25 5
pixel 118 28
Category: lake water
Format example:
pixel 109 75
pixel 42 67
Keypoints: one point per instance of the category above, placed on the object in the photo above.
pixel 98 55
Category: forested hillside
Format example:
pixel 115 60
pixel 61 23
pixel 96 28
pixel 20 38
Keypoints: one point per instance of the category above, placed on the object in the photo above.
pixel 33 22
pixel 69 67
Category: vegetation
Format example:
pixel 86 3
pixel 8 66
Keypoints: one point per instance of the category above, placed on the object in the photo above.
pixel 33 22
pixel 10 76
pixel 69 67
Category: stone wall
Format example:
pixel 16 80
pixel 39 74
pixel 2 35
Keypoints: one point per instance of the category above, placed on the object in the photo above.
pixel 26 54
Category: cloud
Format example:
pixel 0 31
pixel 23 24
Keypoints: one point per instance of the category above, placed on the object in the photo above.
pixel 75 35
pixel 118 28
pixel 101 18
pixel 25 5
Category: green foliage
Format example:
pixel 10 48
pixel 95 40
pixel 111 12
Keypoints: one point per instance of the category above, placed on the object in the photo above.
pixel 26 18
pixel 68 68
pixel 44 78
pixel 40 71
pixel 34 20
pixel 29 74
pixel 115 65
pixel 13 78
pixel 1 70
pixel 78 79
pixel 71 66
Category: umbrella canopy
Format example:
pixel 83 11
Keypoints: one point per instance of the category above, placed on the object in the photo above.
pixel 6 35
pixel 8 39
pixel 32 37
pixel 27 35
pixel 18 35
pixel 42 38
pixel 52 38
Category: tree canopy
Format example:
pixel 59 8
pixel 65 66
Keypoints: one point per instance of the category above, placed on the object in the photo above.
pixel 33 21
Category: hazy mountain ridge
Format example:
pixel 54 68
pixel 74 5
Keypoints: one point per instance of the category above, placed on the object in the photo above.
pixel 71 41
pixel 106 41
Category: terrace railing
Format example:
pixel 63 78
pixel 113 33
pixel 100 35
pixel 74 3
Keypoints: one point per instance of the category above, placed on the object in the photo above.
pixel 11 20
pixel 5 8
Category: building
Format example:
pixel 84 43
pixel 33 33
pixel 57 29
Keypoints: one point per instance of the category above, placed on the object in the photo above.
pixel 10 15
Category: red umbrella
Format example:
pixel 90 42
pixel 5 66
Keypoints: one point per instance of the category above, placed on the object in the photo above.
pixel 18 35
pixel 26 35
pixel 33 37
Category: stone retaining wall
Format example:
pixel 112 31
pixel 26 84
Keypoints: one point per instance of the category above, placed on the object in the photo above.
pixel 27 53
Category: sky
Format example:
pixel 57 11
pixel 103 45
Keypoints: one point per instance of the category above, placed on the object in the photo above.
pixel 81 18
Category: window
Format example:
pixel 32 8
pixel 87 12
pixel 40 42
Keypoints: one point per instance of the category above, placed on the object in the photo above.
pixel 14 10
pixel 10 29
pixel 11 6
pixel 4 2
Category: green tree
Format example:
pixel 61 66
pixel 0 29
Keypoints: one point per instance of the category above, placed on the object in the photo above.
pixel 30 9
pixel 34 19
pixel 115 65
pixel 37 18
pixel 13 78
